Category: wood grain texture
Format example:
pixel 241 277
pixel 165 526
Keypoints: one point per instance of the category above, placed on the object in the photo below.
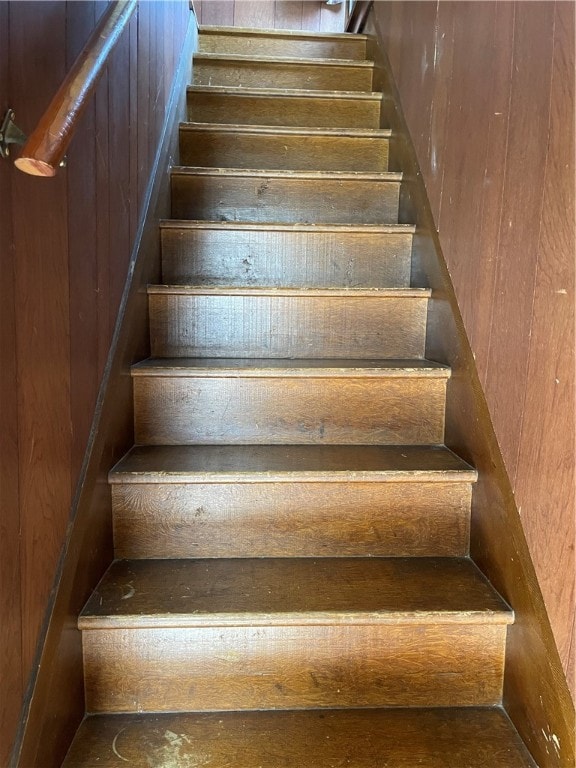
pixel 292 149
pixel 535 692
pixel 48 227
pixel 214 105
pixel 213 501
pixel 476 738
pixel 284 668
pixel 42 324
pixel 282 323
pixel 48 142
pixel 156 520
pixel 255 43
pixel 195 253
pixel 507 240
pixel 10 578
pixel 288 408
pixel 268 634
pixel 291 463
pixel 549 381
pixel 266 72
pixel 284 196
pixel 292 591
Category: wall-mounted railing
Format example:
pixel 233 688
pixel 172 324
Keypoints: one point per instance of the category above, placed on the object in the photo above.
pixel 46 147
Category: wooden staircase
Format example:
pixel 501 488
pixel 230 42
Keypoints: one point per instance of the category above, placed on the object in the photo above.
pixel 293 586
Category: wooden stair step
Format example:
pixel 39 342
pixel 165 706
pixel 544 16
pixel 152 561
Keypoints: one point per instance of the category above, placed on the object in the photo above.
pixel 298 255
pixel 291 43
pixel 296 107
pixel 192 321
pixel 284 196
pixel 292 463
pixel 470 737
pixel 241 401
pixel 242 146
pixel 283 633
pixel 234 501
pixel 237 70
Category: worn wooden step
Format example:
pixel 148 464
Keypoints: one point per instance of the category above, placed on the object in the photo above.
pixel 285 196
pixel 238 40
pixel 255 401
pixel 207 321
pixel 235 70
pixel 269 106
pixel 289 255
pixel 290 500
pixel 284 633
pixel 322 149
pixel 469 737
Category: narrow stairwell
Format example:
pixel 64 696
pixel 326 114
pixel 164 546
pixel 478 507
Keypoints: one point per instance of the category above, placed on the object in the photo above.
pixel 292 584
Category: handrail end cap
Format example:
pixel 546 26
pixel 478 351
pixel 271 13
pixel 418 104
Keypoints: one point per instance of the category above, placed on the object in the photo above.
pixel 34 167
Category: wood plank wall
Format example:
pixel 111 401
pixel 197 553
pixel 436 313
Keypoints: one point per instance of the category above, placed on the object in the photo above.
pixel 488 94
pixel 64 245
pixel 310 15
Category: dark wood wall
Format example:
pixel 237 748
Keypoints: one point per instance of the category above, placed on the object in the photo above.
pixel 310 15
pixel 488 93
pixel 65 245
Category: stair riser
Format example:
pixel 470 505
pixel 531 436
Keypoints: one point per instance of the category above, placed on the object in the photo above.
pixel 292 48
pixel 297 200
pixel 228 668
pixel 262 150
pixel 265 326
pixel 290 520
pixel 302 111
pixel 290 259
pixel 263 74
pixel 187 410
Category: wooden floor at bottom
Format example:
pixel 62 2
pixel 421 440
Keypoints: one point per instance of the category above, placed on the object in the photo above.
pixel 363 738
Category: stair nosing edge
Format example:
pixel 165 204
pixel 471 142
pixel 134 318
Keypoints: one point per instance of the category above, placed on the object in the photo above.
pixel 286 92
pixel 283 60
pixel 376 133
pixel 296 618
pixel 280 173
pixel 193 224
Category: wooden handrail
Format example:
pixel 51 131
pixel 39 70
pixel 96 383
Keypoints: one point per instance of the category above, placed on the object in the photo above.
pixel 47 145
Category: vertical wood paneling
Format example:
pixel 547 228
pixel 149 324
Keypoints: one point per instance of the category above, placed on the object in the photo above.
pixel 487 90
pixel 288 14
pixel 118 213
pixel 309 15
pixel 259 15
pixel 10 609
pixel 478 274
pixel 332 17
pixel 507 360
pixel 143 79
pixel 42 319
pixel 549 446
pixel 65 246
pixel 84 377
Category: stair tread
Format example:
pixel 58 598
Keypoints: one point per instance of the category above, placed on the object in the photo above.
pixel 287 226
pixel 239 90
pixel 293 591
pixel 372 133
pixel 283 60
pixel 290 33
pixel 364 292
pixel 190 170
pixel 271 367
pixel 474 737
pixel 274 463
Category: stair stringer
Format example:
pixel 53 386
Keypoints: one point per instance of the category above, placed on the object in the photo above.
pixel 536 696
